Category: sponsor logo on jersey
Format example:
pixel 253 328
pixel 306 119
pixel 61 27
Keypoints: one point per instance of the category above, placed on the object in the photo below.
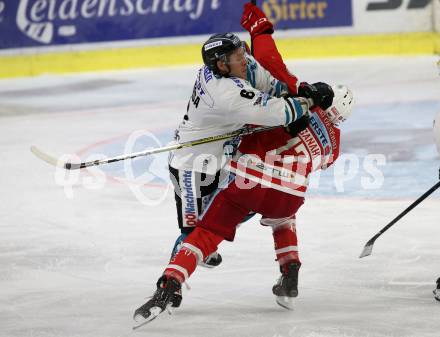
pixel 318 131
pixel 330 129
pixel 237 81
pixel 322 133
pixel 213 45
pixel 207 73
pixel 200 91
pixel 262 99
pixel 188 199
pixel 311 143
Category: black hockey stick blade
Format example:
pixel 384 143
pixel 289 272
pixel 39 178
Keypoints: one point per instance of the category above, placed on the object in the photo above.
pixel 368 248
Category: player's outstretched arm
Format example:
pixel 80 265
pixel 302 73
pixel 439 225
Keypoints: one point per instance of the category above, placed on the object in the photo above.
pixel 264 48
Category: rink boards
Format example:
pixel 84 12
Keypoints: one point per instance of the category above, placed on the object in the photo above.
pixel 60 36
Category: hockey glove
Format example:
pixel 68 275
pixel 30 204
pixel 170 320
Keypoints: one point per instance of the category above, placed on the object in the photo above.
pixel 326 93
pixel 255 21
pixel 310 91
pixel 298 125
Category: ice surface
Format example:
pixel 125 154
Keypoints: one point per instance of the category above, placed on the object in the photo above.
pixel 78 260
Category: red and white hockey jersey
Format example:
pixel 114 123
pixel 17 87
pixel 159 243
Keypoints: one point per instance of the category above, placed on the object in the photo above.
pixel 274 158
pixel 277 160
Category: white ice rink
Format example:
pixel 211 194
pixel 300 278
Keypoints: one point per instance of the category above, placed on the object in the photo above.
pixel 76 261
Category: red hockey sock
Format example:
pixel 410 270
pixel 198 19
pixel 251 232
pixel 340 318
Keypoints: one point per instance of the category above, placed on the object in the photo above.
pixel 286 245
pixel 196 247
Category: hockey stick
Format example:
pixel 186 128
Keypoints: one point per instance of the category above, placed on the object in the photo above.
pixel 75 166
pixel 369 245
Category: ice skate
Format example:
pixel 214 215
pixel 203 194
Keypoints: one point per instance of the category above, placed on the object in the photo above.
pixel 437 290
pixel 287 286
pixel 162 300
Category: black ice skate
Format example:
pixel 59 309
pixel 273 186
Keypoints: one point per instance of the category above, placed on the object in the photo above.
pixel 162 299
pixel 437 290
pixel 287 286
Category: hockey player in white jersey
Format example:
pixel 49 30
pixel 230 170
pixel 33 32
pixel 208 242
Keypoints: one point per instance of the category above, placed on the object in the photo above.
pixel 230 90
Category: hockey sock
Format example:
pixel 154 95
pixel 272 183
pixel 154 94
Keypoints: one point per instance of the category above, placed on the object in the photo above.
pixel 198 245
pixel 286 245
pixel 178 243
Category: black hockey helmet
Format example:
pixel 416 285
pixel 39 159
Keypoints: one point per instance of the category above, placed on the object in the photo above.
pixel 217 48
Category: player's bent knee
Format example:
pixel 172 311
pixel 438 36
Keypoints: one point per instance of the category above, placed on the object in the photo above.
pixel 279 223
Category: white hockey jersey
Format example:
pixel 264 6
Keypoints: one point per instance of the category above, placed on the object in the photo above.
pixel 223 104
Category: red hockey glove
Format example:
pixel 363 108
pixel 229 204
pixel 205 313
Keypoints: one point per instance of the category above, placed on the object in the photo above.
pixel 255 21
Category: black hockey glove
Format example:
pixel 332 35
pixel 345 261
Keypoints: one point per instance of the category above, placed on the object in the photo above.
pixel 326 93
pixel 297 126
pixel 310 91
pixel 321 93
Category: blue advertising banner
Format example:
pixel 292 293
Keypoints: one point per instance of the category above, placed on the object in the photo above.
pixel 32 23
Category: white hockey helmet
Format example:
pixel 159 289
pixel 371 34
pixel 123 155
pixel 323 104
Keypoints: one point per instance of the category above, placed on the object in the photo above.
pixel 342 104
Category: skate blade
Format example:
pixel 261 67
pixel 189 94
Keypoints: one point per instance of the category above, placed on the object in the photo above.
pixel 141 320
pixel 204 265
pixel 285 302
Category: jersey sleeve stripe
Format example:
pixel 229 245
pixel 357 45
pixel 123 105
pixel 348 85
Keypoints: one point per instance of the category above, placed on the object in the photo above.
pixel 288 116
pixel 251 76
pixel 279 88
pixel 292 115
pixel 298 109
